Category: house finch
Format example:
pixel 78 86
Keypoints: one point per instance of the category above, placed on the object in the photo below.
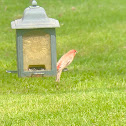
pixel 64 61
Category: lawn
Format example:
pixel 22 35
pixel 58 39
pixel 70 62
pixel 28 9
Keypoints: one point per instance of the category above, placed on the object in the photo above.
pixel 93 91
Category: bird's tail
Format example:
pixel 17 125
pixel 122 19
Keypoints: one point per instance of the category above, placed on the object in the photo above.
pixel 58 75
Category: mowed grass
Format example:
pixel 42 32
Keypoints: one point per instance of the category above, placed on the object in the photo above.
pixel 93 91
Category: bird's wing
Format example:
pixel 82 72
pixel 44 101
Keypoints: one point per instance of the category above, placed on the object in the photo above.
pixel 64 62
pixel 60 61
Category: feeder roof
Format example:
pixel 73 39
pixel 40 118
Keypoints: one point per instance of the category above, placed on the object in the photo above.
pixel 34 17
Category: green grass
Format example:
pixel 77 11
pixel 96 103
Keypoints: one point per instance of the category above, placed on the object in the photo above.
pixel 93 91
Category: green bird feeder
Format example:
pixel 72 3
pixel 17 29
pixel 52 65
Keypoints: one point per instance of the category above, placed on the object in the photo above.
pixel 36 43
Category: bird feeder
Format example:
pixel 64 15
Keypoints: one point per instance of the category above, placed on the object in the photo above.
pixel 36 42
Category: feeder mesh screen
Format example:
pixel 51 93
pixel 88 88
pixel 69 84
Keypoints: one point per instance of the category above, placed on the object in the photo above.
pixel 36 50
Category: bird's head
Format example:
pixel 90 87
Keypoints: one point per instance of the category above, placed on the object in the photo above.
pixel 73 51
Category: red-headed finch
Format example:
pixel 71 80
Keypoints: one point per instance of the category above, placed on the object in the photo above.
pixel 64 61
